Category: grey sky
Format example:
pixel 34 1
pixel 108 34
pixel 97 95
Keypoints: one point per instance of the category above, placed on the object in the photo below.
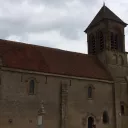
pixel 54 23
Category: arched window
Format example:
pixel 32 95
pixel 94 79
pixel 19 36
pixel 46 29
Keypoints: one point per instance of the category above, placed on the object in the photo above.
pixel 120 60
pixel 89 92
pixel 93 45
pixel 90 122
pixel 105 117
pixel 31 87
pixel 101 41
pixel 122 109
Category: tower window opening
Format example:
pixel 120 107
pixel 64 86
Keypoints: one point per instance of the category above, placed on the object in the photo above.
pixel 93 45
pixel 112 40
pixel 115 41
pixel 101 41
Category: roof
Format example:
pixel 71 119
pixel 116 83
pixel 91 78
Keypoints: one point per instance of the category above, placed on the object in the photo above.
pixel 105 13
pixel 49 60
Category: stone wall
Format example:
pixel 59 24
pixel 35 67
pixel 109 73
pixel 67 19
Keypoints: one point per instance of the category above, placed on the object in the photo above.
pixel 65 101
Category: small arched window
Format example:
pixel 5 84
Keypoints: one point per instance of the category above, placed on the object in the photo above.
pixel 90 122
pixel 89 92
pixel 31 87
pixel 105 117
pixel 122 109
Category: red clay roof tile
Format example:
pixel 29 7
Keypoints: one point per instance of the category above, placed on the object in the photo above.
pixel 50 60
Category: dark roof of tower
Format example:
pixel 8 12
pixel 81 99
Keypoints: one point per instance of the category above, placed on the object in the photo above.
pixel 105 13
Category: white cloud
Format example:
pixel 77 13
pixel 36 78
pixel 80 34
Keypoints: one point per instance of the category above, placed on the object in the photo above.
pixel 53 23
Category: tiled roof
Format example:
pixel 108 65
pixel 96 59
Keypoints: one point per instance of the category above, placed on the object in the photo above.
pixel 49 60
pixel 105 13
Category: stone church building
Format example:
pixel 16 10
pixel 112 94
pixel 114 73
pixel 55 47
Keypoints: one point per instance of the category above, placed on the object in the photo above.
pixel 43 87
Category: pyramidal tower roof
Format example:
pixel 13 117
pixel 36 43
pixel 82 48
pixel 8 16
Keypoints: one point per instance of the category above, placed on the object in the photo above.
pixel 105 13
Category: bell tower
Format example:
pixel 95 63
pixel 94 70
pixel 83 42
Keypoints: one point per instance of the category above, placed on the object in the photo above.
pixel 105 32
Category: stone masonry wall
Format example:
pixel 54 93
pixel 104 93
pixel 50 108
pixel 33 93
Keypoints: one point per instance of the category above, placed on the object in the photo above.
pixel 65 101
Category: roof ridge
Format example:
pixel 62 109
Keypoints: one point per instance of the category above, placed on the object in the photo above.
pixel 104 13
pixel 39 46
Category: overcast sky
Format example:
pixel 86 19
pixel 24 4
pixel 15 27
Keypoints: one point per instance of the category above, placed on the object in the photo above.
pixel 54 23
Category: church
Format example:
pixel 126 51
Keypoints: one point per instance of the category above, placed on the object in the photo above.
pixel 43 87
